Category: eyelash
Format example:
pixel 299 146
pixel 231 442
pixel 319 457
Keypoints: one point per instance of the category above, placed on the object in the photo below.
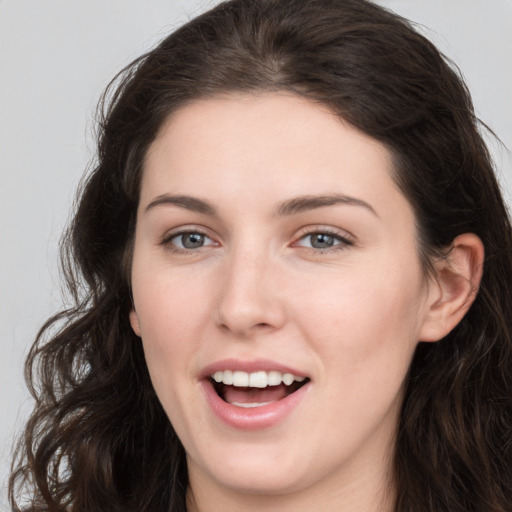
pixel 341 242
pixel 168 241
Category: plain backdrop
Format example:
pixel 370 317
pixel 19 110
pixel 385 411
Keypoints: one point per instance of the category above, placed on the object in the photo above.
pixel 56 57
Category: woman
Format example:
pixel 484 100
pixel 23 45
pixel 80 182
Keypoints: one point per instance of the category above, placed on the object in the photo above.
pixel 292 272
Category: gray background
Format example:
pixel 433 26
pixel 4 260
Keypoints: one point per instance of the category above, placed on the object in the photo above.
pixel 56 57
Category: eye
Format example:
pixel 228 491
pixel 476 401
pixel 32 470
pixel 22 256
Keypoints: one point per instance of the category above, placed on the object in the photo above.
pixel 323 240
pixel 189 240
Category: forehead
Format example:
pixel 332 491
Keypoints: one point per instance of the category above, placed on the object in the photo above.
pixel 258 132
pixel 267 146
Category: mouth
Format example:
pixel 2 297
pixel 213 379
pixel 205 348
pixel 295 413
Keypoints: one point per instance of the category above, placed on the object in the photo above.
pixel 255 389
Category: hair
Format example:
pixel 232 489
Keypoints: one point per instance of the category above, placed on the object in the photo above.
pixel 98 438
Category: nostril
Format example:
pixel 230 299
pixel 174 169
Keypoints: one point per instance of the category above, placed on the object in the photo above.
pixel 251 308
pixel 244 330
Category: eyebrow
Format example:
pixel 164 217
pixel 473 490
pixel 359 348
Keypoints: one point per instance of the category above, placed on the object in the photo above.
pixel 304 203
pixel 287 208
pixel 188 202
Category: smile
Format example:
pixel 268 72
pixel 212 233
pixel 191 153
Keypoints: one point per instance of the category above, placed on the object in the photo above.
pixel 260 379
pixel 254 397
pixel 255 389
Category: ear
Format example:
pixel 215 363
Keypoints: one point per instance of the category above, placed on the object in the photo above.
pixel 454 287
pixel 134 322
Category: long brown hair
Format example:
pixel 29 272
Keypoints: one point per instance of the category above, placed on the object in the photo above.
pixel 98 438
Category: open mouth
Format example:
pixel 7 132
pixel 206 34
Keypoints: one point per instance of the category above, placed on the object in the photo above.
pixel 255 389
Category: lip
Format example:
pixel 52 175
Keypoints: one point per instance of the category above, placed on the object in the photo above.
pixel 255 418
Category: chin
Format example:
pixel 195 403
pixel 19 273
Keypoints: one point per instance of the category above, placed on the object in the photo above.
pixel 261 482
pixel 265 472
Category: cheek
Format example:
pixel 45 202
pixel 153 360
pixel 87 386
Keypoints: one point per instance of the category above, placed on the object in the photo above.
pixel 171 314
pixel 170 336
pixel 366 344
pixel 169 306
pixel 365 325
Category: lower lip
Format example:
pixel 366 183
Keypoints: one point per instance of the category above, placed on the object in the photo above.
pixel 253 418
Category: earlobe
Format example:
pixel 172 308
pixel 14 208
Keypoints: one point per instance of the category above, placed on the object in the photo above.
pixel 454 287
pixel 134 322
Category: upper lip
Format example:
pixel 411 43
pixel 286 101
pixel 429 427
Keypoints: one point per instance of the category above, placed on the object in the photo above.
pixel 249 367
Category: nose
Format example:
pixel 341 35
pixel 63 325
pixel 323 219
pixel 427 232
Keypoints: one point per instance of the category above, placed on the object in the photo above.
pixel 250 300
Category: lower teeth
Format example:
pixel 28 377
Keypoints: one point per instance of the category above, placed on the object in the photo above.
pixel 249 405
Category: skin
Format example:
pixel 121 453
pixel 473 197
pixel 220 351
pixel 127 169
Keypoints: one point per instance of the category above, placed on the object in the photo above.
pixel 348 316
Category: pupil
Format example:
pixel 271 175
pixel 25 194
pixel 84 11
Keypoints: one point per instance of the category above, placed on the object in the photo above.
pixel 193 240
pixel 321 240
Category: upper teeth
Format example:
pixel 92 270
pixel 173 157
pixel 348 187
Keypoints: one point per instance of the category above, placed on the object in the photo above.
pixel 259 379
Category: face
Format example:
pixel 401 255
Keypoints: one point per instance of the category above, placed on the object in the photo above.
pixel 277 291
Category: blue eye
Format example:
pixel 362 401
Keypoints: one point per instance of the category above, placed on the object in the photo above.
pixel 322 241
pixel 190 240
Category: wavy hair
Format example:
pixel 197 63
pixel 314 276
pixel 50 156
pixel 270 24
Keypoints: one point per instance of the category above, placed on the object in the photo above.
pixel 98 438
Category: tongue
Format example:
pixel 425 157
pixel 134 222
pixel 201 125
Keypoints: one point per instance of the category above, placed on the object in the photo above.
pixel 249 395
